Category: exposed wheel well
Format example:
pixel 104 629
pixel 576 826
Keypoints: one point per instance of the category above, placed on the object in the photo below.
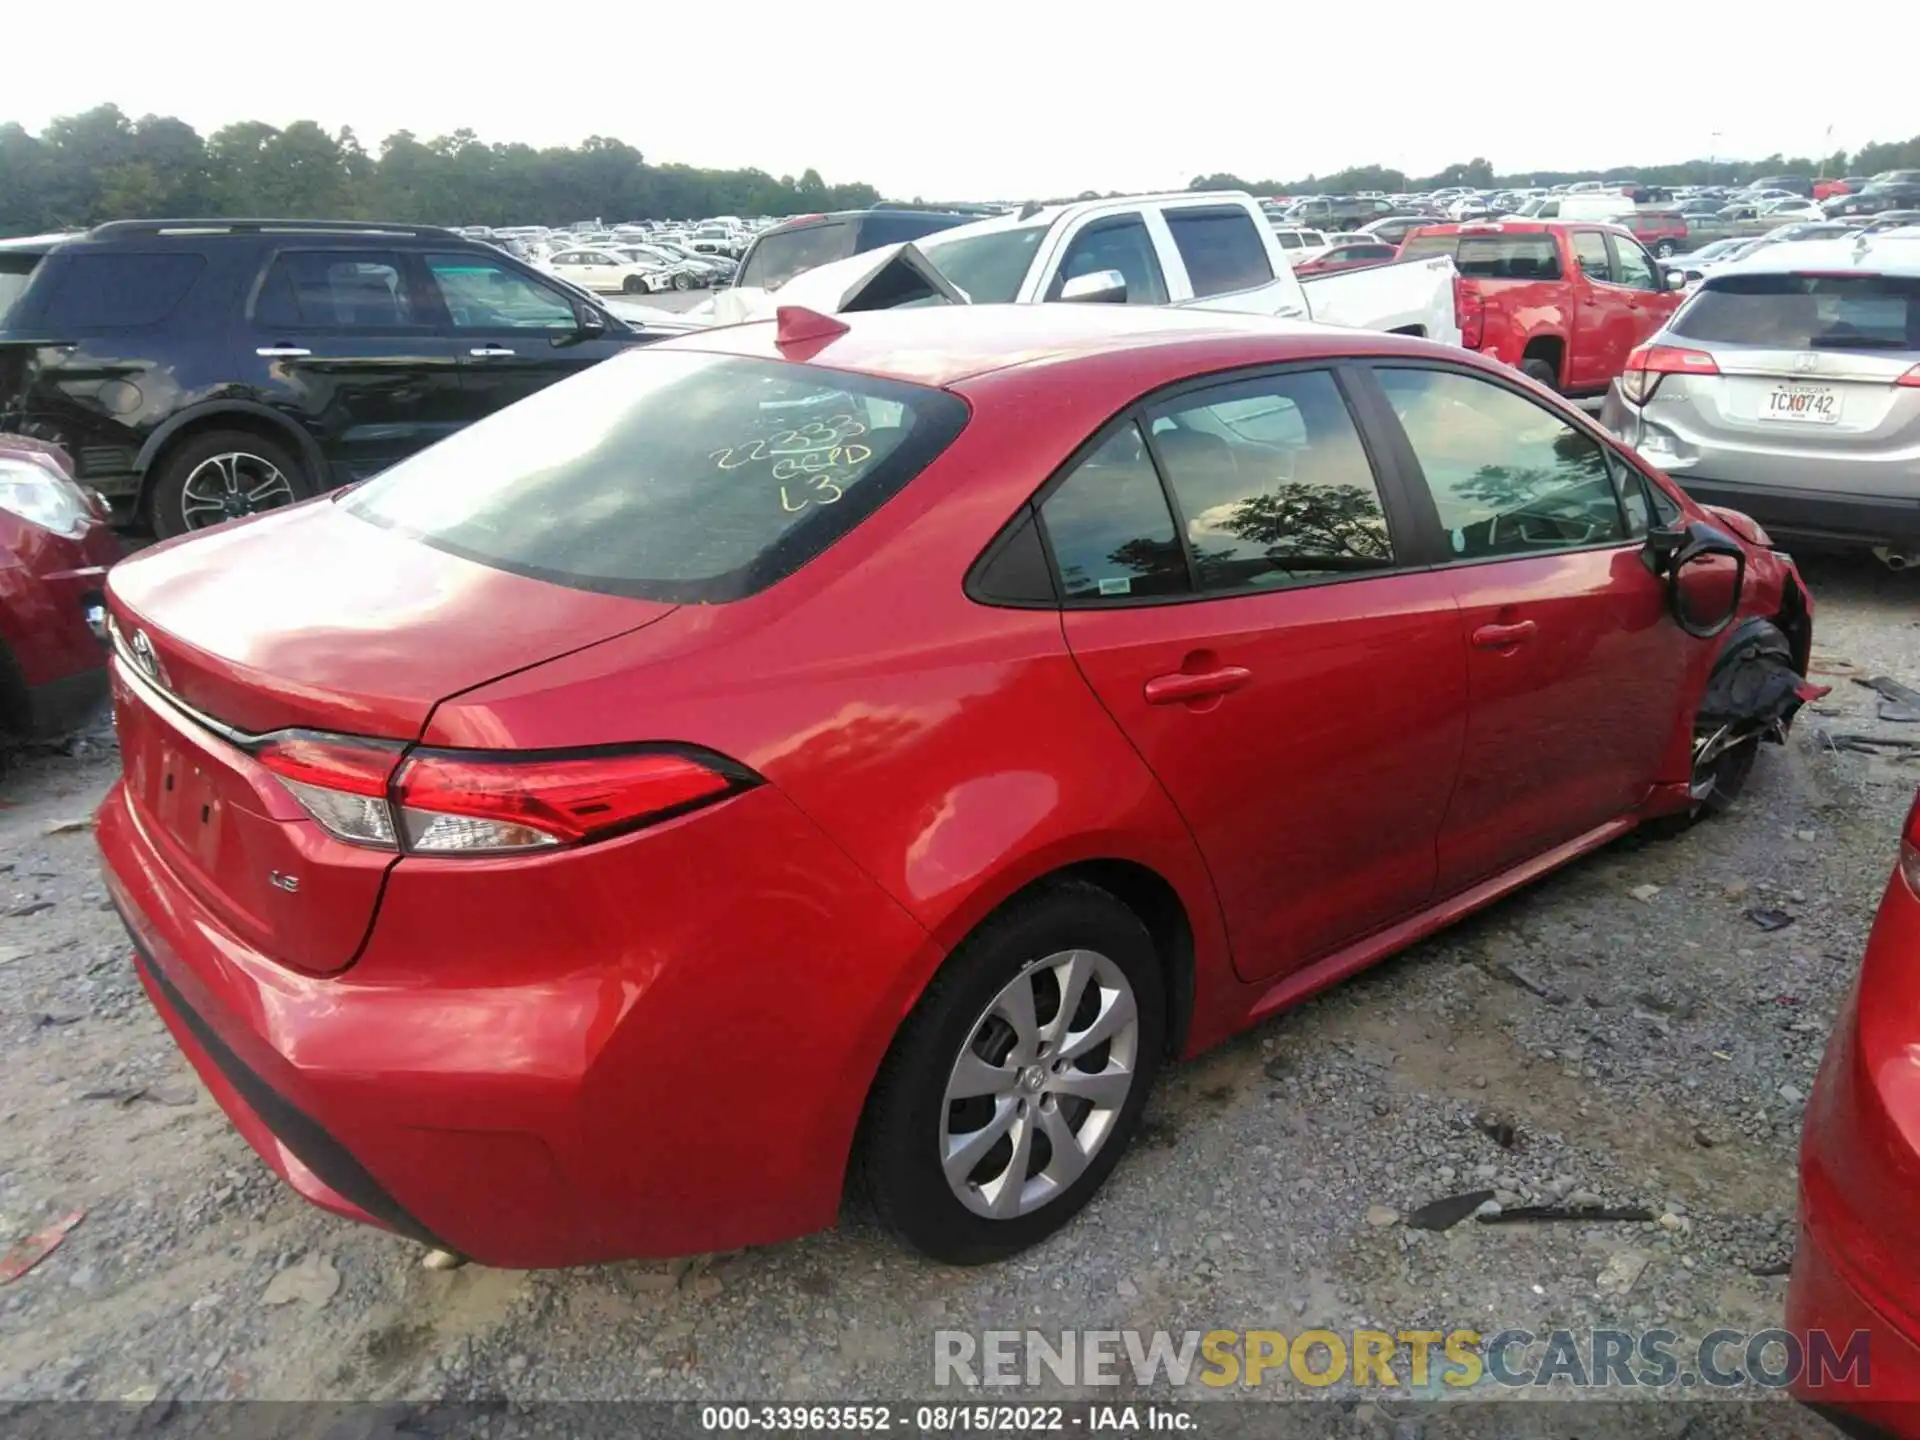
pixel 244 421
pixel 1795 624
pixel 1550 348
pixel 1158 905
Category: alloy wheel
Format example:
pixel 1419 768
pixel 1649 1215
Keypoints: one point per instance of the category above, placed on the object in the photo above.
pixel 226 487
pixel 1040 1084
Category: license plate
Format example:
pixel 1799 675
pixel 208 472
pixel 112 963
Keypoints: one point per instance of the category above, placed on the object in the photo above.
pixel 1802 404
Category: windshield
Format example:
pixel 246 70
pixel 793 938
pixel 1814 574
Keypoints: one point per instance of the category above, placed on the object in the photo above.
pixel 1806 312
pixel 988 267
pixel 669 475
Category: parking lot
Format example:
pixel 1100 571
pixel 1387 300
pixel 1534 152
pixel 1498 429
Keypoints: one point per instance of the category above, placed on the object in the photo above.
pixel 1627 1029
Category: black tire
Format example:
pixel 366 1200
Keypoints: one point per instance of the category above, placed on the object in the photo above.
pixel 635 285
pixel 1718 786
pixel 683 281
pixel 1665 250
pixel 897 1161
pixel 167 503
pixel 1541 371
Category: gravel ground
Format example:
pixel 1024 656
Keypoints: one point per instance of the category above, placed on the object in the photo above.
pixel 1624 1028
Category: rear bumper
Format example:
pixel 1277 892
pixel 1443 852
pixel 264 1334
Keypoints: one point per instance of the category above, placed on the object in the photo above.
pixel 1798 513
pixel 661 1050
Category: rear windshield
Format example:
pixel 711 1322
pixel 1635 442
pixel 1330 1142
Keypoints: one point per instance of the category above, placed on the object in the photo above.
pixel 1806 312
pixel 1491 257
pixel 779 255
pixel 668 475
pixel 118 288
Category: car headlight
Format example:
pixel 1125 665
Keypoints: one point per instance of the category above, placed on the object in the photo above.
pixel 41 495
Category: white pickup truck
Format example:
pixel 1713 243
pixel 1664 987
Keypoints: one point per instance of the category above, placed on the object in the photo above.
pixel 1208 250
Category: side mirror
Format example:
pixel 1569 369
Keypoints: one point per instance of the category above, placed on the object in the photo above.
pixel 1706 572
pixel 1098 287
pixel 588 324
pixel 1676 279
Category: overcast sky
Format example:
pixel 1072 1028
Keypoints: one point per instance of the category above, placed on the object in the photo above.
pixel 994 99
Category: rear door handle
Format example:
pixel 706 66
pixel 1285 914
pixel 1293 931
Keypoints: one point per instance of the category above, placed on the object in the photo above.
pixel 1504 637
pixel 488 352
pixel 1181 687
pixel 282 352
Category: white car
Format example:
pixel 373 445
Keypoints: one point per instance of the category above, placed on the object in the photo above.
pixel 610 271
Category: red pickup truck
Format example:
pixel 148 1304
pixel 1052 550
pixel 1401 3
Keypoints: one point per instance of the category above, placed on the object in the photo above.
pixel 1561 301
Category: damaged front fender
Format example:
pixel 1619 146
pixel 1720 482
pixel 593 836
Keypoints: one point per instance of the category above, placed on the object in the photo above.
pixel 1755 688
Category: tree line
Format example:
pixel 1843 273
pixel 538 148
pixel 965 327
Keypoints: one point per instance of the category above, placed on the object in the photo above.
pixel 1479 173
pixel 103 165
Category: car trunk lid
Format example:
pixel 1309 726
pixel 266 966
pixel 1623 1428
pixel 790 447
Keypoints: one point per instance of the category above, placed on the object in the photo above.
pixel 308 619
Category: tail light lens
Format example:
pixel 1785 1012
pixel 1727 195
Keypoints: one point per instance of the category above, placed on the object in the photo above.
pixel 1469 313
pixel 1910 849
pixel 1650 364
pixel 452 802
pixel 1910 380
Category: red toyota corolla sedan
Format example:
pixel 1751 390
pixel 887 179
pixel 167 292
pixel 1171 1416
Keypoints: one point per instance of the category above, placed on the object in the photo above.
pixel 861 750
pixel 1857 1266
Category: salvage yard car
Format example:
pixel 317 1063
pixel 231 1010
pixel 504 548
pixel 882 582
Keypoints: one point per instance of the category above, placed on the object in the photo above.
pixel 1562 302
pixel 1209 251
pixel 55 546
pixel 198 370
pixel 1789 386
pixel 863 749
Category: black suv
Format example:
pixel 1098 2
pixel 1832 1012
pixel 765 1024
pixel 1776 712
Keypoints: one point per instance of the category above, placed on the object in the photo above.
pixel 779 254
pixel 203 369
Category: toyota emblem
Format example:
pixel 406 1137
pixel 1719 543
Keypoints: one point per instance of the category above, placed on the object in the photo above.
pixel 144 657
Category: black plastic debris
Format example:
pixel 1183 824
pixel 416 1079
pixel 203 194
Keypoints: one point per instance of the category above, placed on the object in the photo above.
pixel 1497 1128
pixel 1621 1213
pixel 1898 703
pixel 1448 1211
pixel 1768 918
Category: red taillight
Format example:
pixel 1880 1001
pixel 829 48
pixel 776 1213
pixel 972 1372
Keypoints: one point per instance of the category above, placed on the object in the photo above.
pixel 1469 313
pixel 1910 380
pixel 452 802
pixel 1649 364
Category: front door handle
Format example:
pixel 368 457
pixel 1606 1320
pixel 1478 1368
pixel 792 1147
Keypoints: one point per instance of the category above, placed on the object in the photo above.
pixel 488 352
pixel 282 352
pixel 1504 637
pixel 1180 687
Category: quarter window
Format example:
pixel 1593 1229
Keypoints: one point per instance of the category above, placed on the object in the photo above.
pixel 1272 483
pixel 1508 477
pixel 1109 527
pixel 1122 244
pixel 110 289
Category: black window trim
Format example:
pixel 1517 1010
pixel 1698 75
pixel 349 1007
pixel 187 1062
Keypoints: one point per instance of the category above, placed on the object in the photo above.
pixel 1441 555
pixel 1350 378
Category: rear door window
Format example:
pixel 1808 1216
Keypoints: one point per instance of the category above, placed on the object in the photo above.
pixel 1110 529
pixel 780 255
pixel 1806 312
pixel 1272 482
pixel 354 290
pixel 1220 246
pixel 118 289
pixel 670 475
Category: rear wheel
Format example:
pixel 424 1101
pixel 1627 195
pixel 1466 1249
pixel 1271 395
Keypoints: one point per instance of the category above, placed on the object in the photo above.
pixel 1013 1088
pixel 1541 371
pixel 222 475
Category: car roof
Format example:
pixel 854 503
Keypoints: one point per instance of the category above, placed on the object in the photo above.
pixel 1880 254
pixel 944 345
pixel 1528 226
